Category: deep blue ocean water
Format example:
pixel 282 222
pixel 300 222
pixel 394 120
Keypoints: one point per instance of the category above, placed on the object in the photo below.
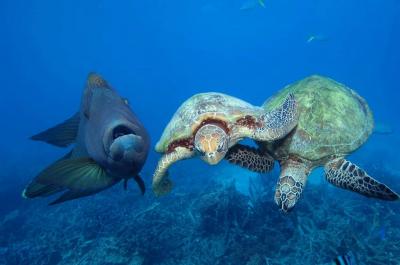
pixel 157 54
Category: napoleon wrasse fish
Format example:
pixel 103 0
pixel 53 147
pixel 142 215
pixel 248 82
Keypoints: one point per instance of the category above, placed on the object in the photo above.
pixel 111 145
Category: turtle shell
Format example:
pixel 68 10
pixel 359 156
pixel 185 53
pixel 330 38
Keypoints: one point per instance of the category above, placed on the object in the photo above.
pixel 200 109
pixel 334 120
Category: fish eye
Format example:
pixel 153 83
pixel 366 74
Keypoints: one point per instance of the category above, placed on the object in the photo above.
pixel 126 101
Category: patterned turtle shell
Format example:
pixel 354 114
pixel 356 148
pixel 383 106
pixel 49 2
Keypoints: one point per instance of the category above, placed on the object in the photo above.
pixel 334 120
pixel 204 108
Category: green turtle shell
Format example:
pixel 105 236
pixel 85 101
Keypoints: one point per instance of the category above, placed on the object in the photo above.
pixel 200 108
pixel 334 120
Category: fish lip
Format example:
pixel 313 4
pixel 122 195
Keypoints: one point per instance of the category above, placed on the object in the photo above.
pixel 137 154
pixel 117 127
pixel 126 142
pixel 136 143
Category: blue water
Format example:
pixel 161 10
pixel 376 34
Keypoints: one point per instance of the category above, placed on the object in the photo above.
pixel 157 54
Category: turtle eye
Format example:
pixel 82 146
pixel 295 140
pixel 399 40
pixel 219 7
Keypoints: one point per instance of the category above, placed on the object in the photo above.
pixel 220 147
pixel 200 151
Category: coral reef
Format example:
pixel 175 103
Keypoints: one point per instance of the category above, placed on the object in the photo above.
pixel 216 225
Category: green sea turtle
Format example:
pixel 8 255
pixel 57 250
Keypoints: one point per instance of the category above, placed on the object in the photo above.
pixel 333 122
pixel 208 124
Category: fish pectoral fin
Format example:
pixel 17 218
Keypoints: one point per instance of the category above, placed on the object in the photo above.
pixel 140 183
pixel 35 189
pixel 76 174
pixel 80 176
pixel 62 134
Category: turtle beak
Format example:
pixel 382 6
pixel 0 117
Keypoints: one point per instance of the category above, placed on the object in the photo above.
pixel 213 158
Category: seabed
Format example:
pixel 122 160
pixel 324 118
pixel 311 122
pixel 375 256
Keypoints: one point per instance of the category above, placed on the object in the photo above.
pixel 214 224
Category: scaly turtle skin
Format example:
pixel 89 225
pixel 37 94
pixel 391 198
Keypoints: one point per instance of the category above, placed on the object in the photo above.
pixel 334 121
pixel 208 124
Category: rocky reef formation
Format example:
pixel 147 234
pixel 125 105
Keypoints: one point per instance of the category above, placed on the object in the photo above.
pixel 216 225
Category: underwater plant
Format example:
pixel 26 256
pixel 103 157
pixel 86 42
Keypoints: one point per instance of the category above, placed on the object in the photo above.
pixel 216 225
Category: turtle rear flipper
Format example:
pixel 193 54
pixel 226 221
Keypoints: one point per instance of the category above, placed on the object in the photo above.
pixel 250 158
pixel 291 183
pixel 161 182
pixel 346 175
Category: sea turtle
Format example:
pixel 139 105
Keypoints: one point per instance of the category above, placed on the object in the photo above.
pixel 208 124
pixel 333 122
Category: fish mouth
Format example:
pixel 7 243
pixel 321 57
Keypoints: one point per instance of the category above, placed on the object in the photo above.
pixel 126 139
pixel 120 131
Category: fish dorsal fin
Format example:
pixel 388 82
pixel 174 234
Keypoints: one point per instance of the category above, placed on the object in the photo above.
pixel 96 81
pixel 62 134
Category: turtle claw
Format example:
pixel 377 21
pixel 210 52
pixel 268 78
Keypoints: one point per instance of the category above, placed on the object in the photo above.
pixel 287 193
pixel 161 182
pixel 291 184
pixel 163 187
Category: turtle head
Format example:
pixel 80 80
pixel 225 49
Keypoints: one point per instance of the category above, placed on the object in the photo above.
pixel 211 143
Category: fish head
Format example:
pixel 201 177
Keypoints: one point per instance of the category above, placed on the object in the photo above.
pixel 115 138
pixel 211 143
pixel 126 148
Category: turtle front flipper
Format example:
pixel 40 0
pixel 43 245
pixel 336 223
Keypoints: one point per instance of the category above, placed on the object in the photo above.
pixel 250 158
pixel 291 183
pixel 277 123
pixel 161 183
pixel 346 175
